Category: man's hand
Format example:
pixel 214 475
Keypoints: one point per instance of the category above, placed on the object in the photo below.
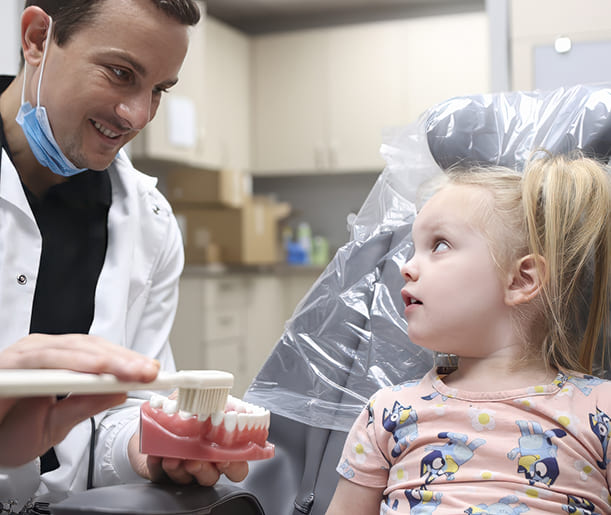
pixel 30 426
pixel 182 471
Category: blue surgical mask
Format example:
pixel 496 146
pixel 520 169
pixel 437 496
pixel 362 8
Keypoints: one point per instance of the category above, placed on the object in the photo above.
pixel 37 129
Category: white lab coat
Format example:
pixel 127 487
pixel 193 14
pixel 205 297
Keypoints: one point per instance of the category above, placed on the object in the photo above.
pixel 135 303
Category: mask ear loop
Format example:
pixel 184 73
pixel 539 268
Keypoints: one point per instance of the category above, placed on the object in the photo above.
pixel 42 66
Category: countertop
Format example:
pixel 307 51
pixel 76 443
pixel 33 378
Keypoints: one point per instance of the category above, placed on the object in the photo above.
pixel 280 269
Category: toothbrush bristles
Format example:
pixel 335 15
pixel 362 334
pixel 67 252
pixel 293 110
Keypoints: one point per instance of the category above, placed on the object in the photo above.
pixel 202 401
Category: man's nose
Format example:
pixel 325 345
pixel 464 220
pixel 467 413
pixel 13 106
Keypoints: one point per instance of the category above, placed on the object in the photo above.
pixel 136 111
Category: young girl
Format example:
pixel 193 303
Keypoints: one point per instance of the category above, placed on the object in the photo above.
pixel 504 269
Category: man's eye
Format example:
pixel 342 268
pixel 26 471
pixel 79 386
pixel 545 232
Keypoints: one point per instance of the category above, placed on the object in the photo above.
pixel 120 73
pixel 440 246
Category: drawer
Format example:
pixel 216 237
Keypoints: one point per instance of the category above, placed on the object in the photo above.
pixel 224 291
pixel 221 323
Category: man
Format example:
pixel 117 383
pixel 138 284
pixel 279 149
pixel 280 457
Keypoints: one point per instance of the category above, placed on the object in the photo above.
pixel 88 246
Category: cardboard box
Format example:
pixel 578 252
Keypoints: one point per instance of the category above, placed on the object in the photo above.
pixel 247 235
pixel 204 187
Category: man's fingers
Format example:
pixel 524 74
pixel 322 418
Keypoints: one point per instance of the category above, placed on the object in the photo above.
pixel 79 352
pixel 176 471
pixel 205 473
pixel 235 471
pixel 6 404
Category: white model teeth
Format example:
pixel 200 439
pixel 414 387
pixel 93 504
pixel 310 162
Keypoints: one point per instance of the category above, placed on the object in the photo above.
pixel 157 401
pixel 170 406
pixel 215 418
pixel 238 413
pixel 231 421
pixel 107 132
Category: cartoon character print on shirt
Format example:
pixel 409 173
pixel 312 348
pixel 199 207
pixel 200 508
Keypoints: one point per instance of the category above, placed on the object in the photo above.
pixel 446 459
pixel 402 423
pixel 385 507
pixel 422 502
pixel 600 424
pixel 346 470
pixel 503 507
pixel 537 453
pixel 579 506
pixel 583 384
pixel 370 417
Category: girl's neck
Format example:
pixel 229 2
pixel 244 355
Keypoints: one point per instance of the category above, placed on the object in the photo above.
pixel 490 375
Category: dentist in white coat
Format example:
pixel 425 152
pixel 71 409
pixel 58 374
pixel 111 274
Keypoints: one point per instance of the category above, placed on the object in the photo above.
pixel 90 251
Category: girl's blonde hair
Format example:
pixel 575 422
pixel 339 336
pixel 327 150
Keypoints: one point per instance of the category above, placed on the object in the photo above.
pixel 558 208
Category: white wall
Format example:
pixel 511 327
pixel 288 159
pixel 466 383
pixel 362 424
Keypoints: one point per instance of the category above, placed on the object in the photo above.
pixel 10 14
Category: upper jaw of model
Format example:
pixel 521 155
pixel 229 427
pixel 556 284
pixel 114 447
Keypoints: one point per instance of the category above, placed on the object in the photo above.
pixel 237 412
pixel 237 433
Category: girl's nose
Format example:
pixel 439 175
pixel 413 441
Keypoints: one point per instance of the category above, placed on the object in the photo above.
pixel 409 271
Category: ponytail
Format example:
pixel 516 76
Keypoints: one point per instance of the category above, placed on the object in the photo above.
pixel 566 205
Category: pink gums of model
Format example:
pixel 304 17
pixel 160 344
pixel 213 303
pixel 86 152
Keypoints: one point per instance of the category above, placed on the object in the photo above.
pixel 238 434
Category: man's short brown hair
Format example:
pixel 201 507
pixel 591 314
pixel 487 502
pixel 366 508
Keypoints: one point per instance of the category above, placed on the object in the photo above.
pixel 71 15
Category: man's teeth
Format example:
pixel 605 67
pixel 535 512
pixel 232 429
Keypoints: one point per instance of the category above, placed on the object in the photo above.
pixel 105 131
pixel 237 413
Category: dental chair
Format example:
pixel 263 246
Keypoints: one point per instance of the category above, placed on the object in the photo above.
pixel 348 337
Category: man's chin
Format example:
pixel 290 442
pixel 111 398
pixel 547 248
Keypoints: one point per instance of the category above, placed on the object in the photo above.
pixel 97 165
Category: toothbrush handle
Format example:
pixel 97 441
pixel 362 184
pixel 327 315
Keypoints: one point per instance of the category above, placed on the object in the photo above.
pixel 37 382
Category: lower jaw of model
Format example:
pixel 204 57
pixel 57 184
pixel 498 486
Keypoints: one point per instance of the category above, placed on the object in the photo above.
pixel 237 434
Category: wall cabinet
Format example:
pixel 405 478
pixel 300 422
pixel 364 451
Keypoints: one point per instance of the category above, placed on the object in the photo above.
pixel 205 119
pixel 322 98
pixel 232 321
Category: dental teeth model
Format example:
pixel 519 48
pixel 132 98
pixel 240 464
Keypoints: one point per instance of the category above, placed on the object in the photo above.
pixel 239 433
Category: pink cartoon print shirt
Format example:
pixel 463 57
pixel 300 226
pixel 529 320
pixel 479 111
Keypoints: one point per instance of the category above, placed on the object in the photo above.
pixel 438 450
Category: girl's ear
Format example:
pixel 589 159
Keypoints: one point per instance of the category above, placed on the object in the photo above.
pixel 526 281
pixel 34 27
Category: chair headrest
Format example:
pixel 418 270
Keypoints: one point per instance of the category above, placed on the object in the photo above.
pixel 505 128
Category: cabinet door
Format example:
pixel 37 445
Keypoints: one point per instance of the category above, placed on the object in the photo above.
pixel 264 320
pixel 290 99
pixel 443 57
pixel 186 336
pixel 226 121
pixel 364 88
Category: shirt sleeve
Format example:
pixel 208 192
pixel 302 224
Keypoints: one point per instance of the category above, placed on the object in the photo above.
pixel 362 462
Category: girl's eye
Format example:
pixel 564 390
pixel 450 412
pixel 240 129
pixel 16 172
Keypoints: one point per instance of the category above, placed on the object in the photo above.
pixel 440 246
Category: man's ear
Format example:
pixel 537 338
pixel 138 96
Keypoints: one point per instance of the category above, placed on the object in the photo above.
pixel 34 26
pixel 526 280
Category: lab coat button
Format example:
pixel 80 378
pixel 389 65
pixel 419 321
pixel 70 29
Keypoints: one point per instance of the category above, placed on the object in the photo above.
pixel 22 279
pixel 156 210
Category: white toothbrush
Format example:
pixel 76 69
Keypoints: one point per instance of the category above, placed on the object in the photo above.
pixel 199 391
